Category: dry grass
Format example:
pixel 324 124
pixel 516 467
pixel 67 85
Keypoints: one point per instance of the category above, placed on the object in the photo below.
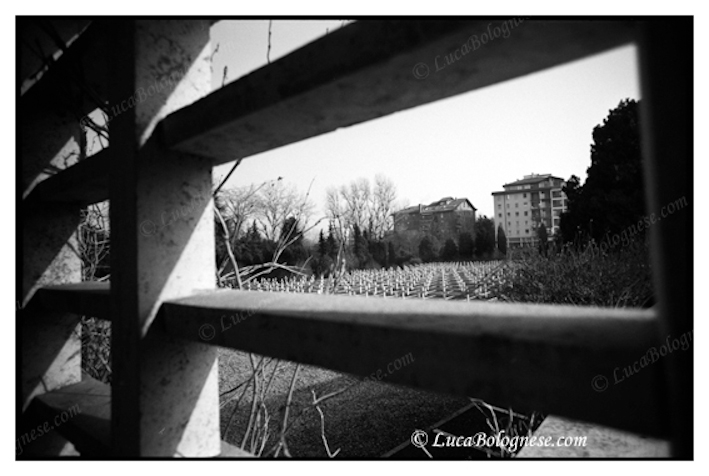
pixel 590 278
pixel 363 422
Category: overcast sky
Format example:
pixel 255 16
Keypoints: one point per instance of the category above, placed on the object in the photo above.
pixel 465 146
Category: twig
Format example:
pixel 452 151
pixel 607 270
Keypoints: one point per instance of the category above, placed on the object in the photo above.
pixel 216 190
pixel 227 242
pixel 289 399
pixel 319 400
pixel 268 52
pixel 224 75
pixel 236 407
pixel 252 415
pixel 322 428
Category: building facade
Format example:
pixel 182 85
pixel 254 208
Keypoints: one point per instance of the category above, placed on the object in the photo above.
pixel 525 204
pixel 445 218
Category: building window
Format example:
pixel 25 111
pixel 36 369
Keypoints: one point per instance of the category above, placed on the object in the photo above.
pixel 499 215
pixel 526 231
pixel 524 195
pixel 516 214
pixel 516 205
pixel 508 213
pixel 525 213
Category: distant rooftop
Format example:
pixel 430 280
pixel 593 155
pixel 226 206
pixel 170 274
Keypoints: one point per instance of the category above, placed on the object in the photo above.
pixel 530 179
pixel 443 205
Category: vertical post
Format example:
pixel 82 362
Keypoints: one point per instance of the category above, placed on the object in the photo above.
pixel 165 394
pixel 666 124
pixel 50 342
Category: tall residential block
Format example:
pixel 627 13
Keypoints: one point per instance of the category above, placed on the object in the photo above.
pixel 525 204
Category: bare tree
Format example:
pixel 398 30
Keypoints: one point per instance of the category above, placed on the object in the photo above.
pixel 238 206
pixel 357 201
pixel 336 211
pixel 382 203
pixel 277 202
pixel 359 204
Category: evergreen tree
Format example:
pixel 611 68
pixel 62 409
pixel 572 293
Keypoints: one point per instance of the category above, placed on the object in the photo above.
pixel 331 243
pixel 427 249
pixel 466 246
pixel 484 236
pixel 358 241
pixel 612 198
pixel 322 246
pixel 501 240
pixel 253 234
pixel 294 252
pixel 450 250
pixel 543 239
pixel 391 254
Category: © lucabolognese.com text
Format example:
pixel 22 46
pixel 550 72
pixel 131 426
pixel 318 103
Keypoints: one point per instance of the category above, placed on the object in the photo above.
pixel 501 440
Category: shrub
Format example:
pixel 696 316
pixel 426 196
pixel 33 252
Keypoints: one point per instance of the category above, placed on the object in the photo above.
pixel 619 279
pixel 450 250
pixel 428 249
pixel 96 348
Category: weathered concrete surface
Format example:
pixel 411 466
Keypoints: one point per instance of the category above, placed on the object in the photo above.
pixel 548 354
pixel 50 342
pixel 166 400
pixel 601 442
pixel 370 69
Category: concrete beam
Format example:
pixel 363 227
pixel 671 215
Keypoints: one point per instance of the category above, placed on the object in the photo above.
pixel 666 66
pixel 566 360
pixel 165 391
pixel 371 69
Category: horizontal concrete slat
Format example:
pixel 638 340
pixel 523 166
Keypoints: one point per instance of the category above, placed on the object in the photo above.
pixel 87 298
pixel 81 413
pixel 231 451
pixel 529 357
pixel 563 438
pixel 80 72
pixel 371 69
pixel 84 183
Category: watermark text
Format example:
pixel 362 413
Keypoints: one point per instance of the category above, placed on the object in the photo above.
pixel 40 430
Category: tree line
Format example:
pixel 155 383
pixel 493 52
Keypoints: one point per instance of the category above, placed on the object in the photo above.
pixel 260 219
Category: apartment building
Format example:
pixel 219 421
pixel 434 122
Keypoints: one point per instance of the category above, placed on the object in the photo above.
pixel 445 218
pixel 525 204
